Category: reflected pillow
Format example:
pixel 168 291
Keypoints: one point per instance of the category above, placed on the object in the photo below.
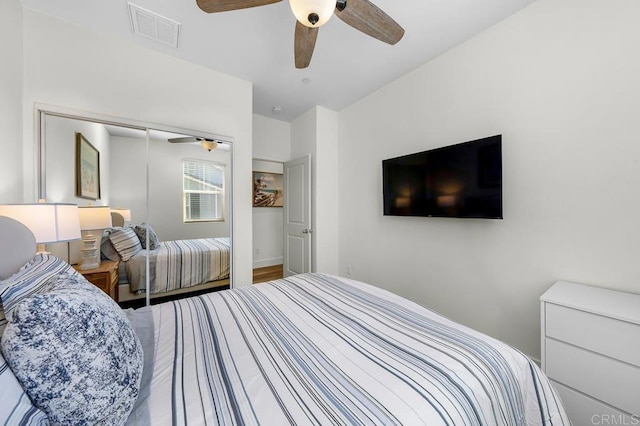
pixel 75 353
pixel 107 251
pixel 15 406
pixel 141 231
pixel 126 242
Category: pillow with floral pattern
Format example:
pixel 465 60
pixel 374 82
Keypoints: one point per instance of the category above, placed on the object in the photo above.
pixel 141 232
pixel 75 353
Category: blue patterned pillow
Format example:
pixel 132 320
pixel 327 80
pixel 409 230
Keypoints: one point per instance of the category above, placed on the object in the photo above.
pixel 75 353
pixel 141 232
pixel 126 243
pixel 34 277
pixel 15 406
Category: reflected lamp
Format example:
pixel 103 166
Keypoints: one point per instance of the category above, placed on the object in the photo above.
pixel 92 218
pixel 120 216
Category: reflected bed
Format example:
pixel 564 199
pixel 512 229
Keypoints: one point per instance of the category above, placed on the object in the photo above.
pixel 175 267
pixel 179 264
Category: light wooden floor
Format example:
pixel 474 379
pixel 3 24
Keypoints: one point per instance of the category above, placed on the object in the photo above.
pixel 267 273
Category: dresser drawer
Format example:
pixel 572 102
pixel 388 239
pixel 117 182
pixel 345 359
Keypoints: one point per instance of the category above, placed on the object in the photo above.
pixel 583 410
pixel 607 336
pixel 614 382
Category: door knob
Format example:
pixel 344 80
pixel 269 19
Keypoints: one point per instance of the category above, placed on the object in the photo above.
pixel 307 231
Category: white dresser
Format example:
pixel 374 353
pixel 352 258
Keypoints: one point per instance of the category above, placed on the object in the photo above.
pixel 591 352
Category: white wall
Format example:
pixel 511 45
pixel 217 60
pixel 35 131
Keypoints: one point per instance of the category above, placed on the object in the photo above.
pixel 128 169
pixel 271 147
pixel 128 185
pixel 559 80
pixel 61 159
pixel 11 102
pixel 325 229
pixel 72 67
pixel 271 139
pixel 316 132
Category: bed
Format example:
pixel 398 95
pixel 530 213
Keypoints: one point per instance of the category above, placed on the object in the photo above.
pixel 174 266
pixel 309 349
pixel 180 264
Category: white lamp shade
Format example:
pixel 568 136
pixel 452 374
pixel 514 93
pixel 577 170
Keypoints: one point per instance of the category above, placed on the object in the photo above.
pixel 125 213
pixel 94 217
pixel 303 8
pixel 49 222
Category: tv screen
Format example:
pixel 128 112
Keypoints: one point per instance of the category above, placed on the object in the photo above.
pixel 463 180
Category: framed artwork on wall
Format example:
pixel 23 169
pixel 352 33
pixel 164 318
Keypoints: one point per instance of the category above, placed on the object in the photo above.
pixel 87 169
pixel 267 189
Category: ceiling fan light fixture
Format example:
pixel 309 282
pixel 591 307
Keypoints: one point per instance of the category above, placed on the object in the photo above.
pixel 209 145
pixel 312 13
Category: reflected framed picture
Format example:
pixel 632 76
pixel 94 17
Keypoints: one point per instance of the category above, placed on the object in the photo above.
pixel 87 169
pixel 267 189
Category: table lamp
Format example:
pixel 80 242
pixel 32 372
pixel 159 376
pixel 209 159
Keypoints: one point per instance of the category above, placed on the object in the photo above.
pixel 49 222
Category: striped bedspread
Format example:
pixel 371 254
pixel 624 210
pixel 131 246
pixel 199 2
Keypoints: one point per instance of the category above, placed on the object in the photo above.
pixel 316 349
pixel 180 264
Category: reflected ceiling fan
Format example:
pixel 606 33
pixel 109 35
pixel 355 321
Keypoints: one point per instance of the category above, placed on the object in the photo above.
pixel 208 144
pixel 312 14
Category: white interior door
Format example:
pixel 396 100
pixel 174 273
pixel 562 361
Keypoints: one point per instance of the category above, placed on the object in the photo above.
pixel 297 216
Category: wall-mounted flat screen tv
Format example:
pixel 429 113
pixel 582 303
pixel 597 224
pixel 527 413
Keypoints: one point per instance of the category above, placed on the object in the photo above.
pixel 462 180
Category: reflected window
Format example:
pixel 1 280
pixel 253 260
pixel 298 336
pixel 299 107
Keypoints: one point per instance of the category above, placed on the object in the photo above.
pixel 203 190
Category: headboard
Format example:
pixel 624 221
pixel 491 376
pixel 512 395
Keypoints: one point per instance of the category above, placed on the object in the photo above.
pixel 117 219
pixel 17 246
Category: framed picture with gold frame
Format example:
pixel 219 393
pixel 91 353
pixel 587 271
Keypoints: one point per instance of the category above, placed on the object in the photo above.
pixel 87 169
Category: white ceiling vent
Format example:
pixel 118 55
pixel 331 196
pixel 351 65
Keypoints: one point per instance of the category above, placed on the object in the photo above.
pixel 154 26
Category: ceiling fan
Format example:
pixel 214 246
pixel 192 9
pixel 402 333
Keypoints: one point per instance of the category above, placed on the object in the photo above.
pixel 311 14
pixel 208 144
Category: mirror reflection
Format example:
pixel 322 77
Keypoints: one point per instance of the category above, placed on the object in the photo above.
pixel 169 196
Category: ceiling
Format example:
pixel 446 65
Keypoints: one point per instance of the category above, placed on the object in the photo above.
pixel 257 44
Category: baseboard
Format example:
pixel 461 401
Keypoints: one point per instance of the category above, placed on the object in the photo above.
pixel 267 262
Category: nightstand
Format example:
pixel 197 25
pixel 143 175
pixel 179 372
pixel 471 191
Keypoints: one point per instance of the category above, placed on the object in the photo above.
pixel 105 277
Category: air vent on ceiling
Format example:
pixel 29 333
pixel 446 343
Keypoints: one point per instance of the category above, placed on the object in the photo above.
pixel 156 27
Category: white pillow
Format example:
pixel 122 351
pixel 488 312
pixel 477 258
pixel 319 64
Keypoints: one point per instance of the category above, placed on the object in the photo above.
pixel 106 248
pixel 15 406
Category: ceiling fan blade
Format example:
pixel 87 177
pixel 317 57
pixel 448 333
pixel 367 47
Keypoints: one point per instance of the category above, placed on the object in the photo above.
pixel 189 139
pixel 212 6
pixel 371 20
pixel 305 42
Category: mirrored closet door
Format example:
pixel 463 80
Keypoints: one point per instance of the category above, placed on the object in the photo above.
pixel 168 193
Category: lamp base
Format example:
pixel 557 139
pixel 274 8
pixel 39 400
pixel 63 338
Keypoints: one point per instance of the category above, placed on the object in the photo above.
pixel 86 267
pixel 90 252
